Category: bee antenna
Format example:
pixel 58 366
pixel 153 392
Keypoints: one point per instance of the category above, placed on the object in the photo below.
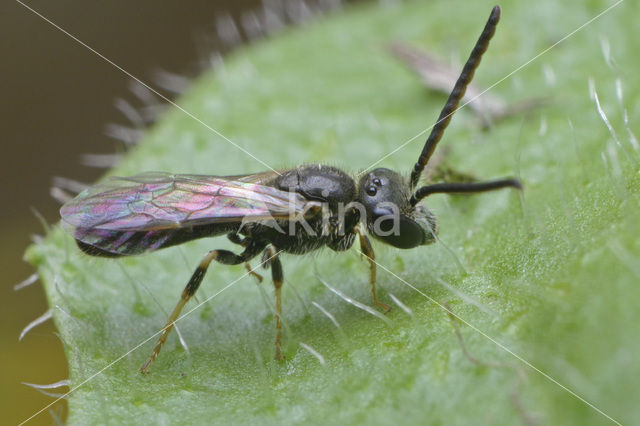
pixel 456 94
pixel 464 188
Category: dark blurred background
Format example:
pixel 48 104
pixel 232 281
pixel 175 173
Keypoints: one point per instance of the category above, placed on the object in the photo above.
pixel 57 98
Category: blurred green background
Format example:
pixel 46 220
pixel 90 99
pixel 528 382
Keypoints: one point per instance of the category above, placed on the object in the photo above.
pixel 53 111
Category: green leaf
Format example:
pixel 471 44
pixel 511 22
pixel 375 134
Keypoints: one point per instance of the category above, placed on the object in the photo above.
pixel 552 275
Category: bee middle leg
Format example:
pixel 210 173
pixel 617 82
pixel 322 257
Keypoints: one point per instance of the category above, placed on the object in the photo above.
pixel 221 256
pixel 270 259
pixel 237 239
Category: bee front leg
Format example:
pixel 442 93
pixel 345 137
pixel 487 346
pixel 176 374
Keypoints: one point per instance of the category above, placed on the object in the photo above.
pixel 367 250
pixel 270 257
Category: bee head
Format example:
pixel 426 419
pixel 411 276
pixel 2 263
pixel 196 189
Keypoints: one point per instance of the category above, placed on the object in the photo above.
pixel 390 217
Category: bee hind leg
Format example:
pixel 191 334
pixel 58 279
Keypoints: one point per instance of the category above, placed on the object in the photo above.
pixel 221 256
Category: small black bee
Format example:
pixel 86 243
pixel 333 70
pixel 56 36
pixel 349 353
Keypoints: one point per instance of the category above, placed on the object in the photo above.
pixel 293 211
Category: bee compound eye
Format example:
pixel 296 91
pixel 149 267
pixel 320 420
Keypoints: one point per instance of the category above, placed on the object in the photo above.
pixel 372 190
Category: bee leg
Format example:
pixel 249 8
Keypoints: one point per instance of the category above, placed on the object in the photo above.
pixel 367 250
pixel 237 239
pixel 251 272
pixel 222 256
pixel 270 256
pixel 244 242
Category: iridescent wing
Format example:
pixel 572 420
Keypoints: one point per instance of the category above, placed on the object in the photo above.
pixel 134 214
